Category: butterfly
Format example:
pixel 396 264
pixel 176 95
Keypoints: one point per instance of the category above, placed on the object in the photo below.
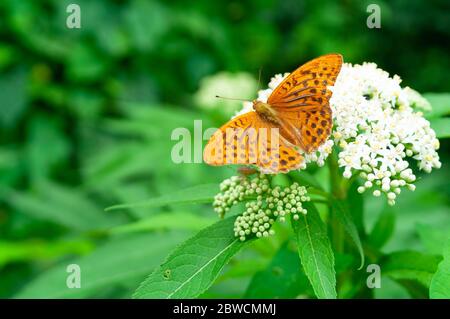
pixel 296 119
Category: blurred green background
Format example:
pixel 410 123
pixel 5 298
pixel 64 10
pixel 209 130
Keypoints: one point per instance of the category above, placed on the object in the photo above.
pixel 87 114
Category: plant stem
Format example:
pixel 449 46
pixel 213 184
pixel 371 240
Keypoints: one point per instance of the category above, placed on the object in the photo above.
pixel 337 183
pixel 339 192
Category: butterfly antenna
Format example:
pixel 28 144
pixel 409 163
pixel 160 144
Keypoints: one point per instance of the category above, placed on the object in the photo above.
pixel 232 98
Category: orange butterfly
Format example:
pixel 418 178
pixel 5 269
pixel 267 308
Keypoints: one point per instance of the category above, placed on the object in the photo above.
pixel 297 117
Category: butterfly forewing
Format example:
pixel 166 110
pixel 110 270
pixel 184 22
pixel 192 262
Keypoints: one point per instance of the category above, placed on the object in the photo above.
pixel 302 101
pixel 306 87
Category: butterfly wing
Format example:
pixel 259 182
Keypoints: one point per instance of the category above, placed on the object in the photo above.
pixel 306 87
pixel 249 139
pixel 308 129
pixel 302 102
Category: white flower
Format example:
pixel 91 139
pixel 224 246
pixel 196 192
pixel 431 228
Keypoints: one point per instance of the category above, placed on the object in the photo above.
pixel 377 125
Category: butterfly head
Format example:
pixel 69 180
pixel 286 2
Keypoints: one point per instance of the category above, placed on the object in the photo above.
pixel 266 111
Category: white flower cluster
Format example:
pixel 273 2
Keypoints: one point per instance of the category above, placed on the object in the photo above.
pixel 261 212
pixel 377 126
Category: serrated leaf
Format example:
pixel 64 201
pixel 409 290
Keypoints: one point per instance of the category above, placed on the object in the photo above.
pixel 117 262
pixel 441 127
pixel 194 195
pixel 192 267
pixel 383 229
pixel 315 252
pixel 341 210
pixel 283 277
pixel 440 283
pixel 410 265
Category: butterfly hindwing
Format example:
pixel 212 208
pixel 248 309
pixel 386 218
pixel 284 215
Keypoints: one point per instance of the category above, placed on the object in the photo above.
pixel 248 139
pixel 312 127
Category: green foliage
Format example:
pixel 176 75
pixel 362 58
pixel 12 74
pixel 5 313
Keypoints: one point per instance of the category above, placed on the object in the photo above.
pixel 60 205
pixel 181 220
pixel 194 195
pixel 111 265
pixel 341 209
pixel 194 265
pixel 441 126
pixel 283 277
pixel 440 283
pixel 440 103
pixel 410 265
pixel 315 253
pixel 433 238
pixel 383 229
pixel 86 121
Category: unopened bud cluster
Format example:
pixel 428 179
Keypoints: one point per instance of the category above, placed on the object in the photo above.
pixel 265 205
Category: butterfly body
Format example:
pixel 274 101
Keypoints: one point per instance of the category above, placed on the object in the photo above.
pixel 295 119
pixel 266 112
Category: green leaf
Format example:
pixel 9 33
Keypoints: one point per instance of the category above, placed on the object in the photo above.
pixel 383 229
pixel 192 267
pixel 441 127
pixel 440 103
pixel 341 210
pixel 440 283
pixel 174 221
pixel 315 252
pixel 117 262
pixel 283 277
pixel 410 265
pixel 194 195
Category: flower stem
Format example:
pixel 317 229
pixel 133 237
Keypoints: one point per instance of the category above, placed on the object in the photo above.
pixel 339 192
